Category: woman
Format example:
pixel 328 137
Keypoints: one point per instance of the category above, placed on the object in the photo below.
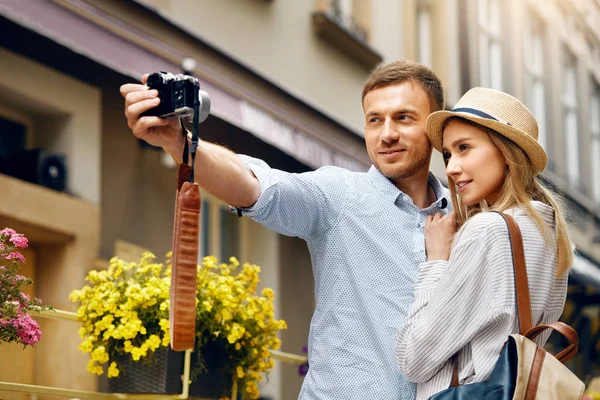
pixel 464 293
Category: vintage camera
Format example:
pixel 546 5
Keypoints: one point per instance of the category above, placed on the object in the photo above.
pixel 178 94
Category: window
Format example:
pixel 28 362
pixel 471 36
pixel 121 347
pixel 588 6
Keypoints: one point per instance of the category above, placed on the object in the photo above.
pixel 344 12
pixel 595 132
pixel 204 242
pixel 424 35
pixel 570 128
pixel 230 234
pixel 220 230
pixel 344 7
pixel 13 136
pixel 534 75
pixel 490 50
pixel 344 24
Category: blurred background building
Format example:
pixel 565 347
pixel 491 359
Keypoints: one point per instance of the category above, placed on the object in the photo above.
pixel 285 78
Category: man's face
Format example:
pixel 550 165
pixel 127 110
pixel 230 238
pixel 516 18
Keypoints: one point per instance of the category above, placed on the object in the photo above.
pixel 395 122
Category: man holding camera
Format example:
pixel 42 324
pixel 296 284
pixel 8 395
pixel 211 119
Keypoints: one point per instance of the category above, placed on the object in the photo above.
pixel 364 230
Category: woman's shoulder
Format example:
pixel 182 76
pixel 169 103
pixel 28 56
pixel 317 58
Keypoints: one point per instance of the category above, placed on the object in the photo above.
pixel 482 225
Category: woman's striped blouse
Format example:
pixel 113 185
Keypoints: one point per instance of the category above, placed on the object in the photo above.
pixel 467 305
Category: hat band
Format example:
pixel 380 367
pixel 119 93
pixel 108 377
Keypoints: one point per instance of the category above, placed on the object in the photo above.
pixel 479 114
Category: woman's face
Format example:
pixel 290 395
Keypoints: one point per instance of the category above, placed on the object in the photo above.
pixel 473 162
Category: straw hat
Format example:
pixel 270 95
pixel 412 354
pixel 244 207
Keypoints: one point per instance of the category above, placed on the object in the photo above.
pixel 499 112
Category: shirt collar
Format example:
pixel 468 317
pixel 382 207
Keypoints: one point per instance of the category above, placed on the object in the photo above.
pixel 391 192
pixel 441 193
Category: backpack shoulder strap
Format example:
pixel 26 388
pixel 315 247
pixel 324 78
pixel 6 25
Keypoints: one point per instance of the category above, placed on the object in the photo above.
pixel 520 270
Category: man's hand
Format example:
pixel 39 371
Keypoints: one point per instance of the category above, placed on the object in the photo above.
pixel 165 133
pixel 439 231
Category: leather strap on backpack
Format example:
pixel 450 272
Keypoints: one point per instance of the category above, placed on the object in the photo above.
pixel 520 270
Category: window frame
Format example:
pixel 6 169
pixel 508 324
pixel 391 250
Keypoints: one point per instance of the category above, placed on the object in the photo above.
pixel 424 34
pixel 569 104
pixel 489 42
pixel 594 127
pixel 535 82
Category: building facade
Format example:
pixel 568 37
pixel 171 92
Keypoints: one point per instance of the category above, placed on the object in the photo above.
pixel 285 79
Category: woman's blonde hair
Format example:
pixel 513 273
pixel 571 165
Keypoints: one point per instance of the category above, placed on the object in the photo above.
pixel 521 185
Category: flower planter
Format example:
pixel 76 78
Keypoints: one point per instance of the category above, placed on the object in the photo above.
pixel 161 374
pixel 156 374
pixel 216 382
pixel 235 328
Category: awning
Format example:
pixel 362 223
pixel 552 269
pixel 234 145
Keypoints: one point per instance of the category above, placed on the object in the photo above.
pixel 98 36
pixel 585 271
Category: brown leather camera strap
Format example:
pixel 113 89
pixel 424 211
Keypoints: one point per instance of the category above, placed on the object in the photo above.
pixel 182 316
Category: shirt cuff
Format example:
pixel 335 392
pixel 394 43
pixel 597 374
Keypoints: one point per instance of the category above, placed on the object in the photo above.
pixel 429 275
pixel 261 170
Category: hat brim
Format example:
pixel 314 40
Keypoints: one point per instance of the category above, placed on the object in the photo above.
pixel 530 146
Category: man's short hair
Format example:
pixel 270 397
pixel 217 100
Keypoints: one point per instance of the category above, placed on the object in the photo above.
pixel 403 70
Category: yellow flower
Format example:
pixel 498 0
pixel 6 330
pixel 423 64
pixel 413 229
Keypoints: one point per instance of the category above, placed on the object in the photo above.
pixel 237 332
pixel 99 355
pixel 113 371
pixel 240 372
pixel 234 263
pixel 206 306
pixel 87 345
pixel 268 293
pixel 94 368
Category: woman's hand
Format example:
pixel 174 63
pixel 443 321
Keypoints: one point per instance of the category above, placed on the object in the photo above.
pixel 439 231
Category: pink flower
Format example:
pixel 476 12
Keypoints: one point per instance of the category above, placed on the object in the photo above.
pixel 19 240
pixel 28 330
pixel 15 255
pixel 7 232
pixel 15 323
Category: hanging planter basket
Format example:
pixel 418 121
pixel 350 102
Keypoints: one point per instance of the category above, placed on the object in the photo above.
pixel 161 373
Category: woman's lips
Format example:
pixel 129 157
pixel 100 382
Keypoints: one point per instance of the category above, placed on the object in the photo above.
pixel 463 186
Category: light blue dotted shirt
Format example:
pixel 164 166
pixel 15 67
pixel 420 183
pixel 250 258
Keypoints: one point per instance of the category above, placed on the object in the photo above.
pixel 366 242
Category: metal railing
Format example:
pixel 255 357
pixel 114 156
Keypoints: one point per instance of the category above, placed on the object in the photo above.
pixel 84 394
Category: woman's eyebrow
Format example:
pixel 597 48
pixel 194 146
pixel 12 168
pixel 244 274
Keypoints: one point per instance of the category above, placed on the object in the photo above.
pixel 457 142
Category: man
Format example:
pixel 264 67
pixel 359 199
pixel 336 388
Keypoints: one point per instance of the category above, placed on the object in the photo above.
pixel 364 230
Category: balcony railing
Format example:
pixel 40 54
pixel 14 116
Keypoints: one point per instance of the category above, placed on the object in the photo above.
pixel 348 22
pixel 83 394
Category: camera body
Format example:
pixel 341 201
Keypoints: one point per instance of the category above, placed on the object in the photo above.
pixel 177 93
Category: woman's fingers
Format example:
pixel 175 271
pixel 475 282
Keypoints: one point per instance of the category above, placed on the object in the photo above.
pixel 452 215
pixel 428 221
